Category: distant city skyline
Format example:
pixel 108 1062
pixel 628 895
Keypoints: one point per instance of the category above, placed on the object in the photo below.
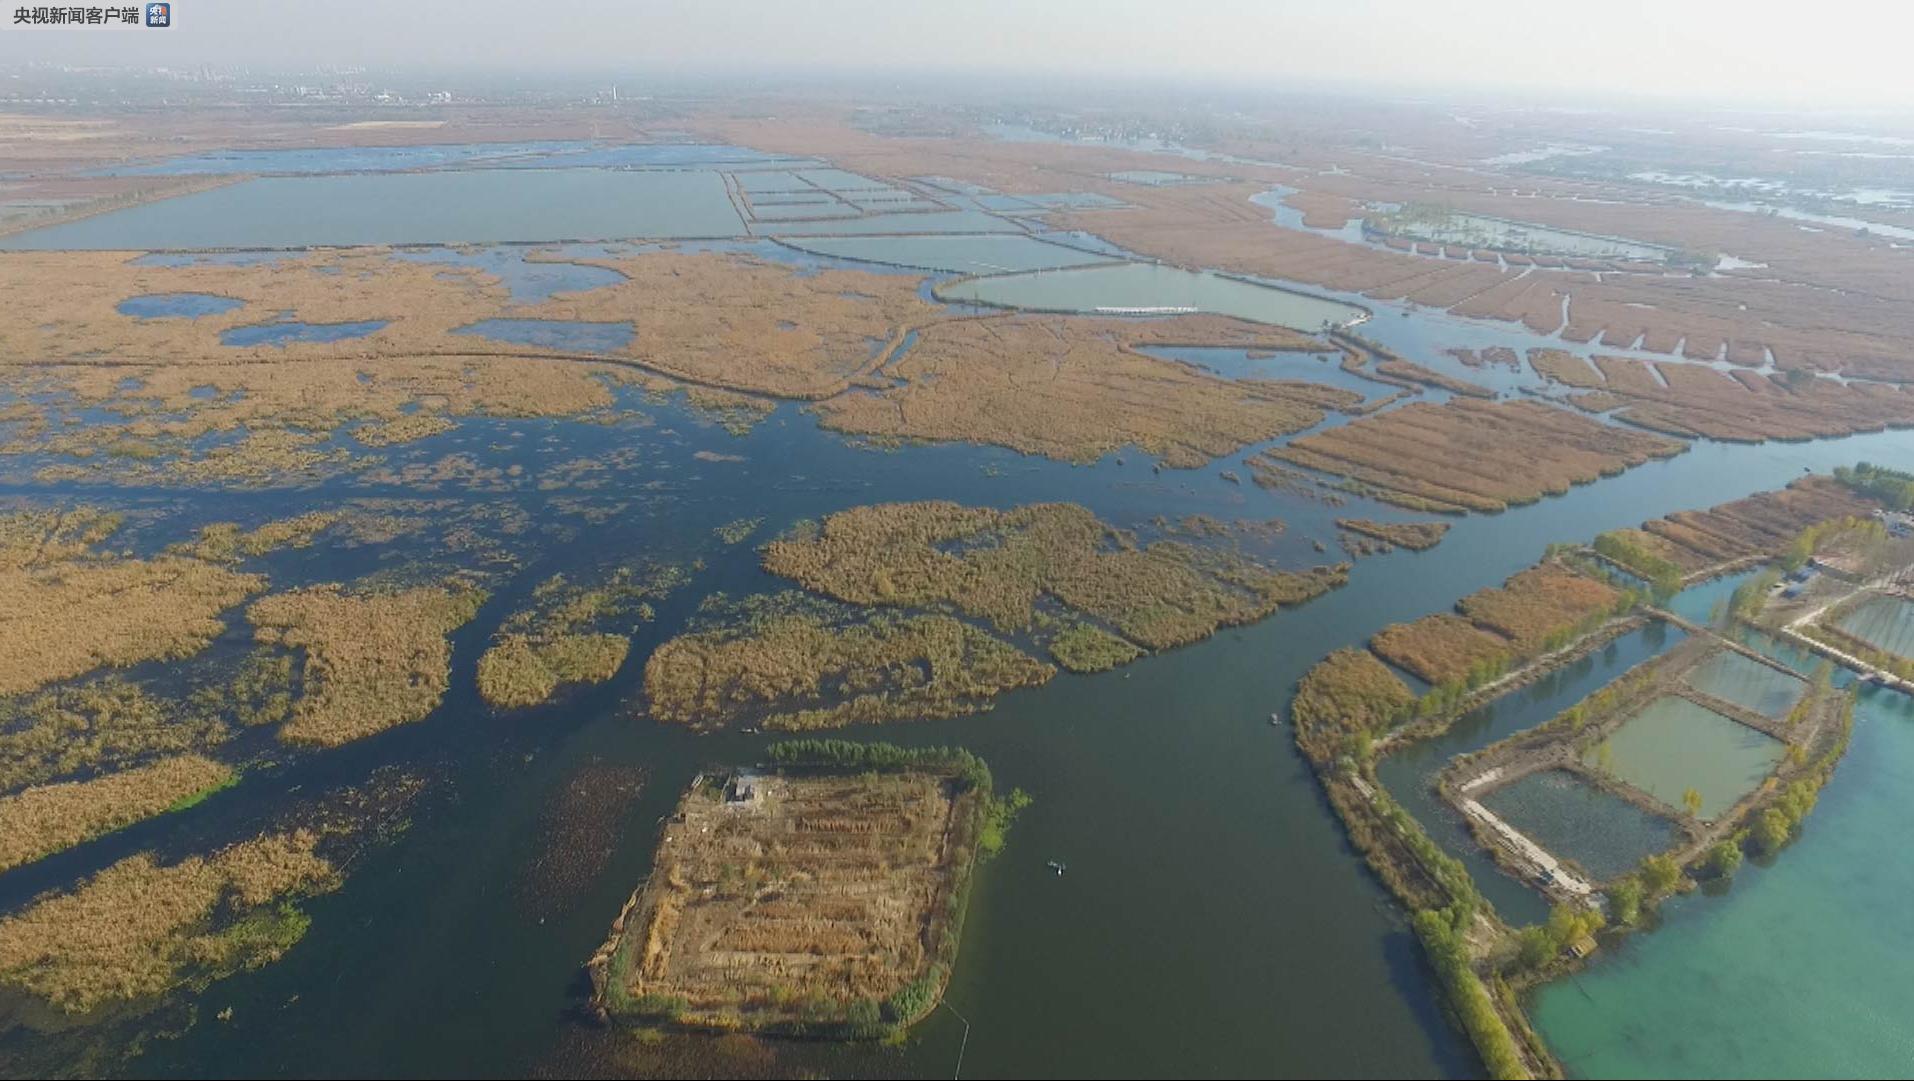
pixel 1842 53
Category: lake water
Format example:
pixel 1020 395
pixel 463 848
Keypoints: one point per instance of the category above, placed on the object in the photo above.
pixel 530 280
pixel 413 208
pixel 373 159
pixel 1151 285
pixel 1798 970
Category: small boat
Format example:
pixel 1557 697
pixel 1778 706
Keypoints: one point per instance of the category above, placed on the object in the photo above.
pixel 1056 865
pixel 1275 719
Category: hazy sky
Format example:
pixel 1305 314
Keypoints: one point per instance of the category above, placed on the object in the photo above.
pixel 1849 52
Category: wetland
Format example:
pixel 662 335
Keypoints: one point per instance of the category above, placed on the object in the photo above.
pixel 334 652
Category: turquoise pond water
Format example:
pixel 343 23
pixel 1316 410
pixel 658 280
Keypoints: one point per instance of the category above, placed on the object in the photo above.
pixel 1886 623
pixel 953 254
pixel 1799 970
pixel 937 221
pixel 1571 818
pixel 1749 683
pixel 1150 285
pixel 1673 745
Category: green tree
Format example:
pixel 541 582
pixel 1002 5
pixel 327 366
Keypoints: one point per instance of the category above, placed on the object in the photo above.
pixel 1771 830
pixel 1660 874
pixel 1533 948
pixel 1724 859
pixel 1625 900
pixel 1691 799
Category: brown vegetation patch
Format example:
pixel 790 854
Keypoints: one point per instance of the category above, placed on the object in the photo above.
pixel 1348 694
pixel 50 818
pixel 140 928
pixel 813 896
pixel 555 641
pixel 998 565
pixel 738 321
pixel 112 725
pixel 1438 648
pixel 1399 371
pixel 372 660
pixel 713 323
pixel 789 664
pixel 1537 603
pixel 1466 455
pixel 1536 610
pixel 68 611
pixel 1693 400
pixel 1418 536
pixel 1077 389
pixel 1760 526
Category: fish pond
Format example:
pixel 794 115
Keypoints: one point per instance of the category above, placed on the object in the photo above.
pixel 1573 819
pixel 1674 745
pixel 1737 678
pixel 1886 623
pixel 1128 288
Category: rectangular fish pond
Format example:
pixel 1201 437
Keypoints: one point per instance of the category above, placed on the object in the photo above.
pixel 1673 745
pixel 1575 820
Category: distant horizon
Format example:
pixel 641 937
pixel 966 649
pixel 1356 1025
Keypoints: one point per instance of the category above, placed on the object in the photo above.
pixel 1702 55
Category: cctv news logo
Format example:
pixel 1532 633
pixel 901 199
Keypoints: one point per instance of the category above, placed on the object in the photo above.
pixel 154 15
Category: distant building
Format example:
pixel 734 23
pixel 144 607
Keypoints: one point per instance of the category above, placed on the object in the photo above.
pixel 741 788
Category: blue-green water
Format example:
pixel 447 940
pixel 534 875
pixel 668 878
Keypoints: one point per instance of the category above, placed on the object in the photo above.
pixel 1729 675
pixel 1799 970
pixel 953 254
pixel 1886 623
pixel 1151 286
